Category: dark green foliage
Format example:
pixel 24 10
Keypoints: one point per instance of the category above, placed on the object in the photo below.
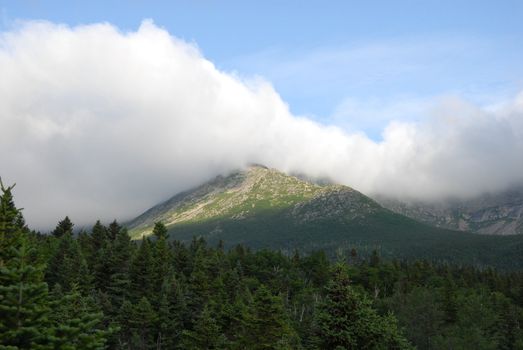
pixel 268 326
pixel 158 295
pixel 113 230
pixel 206 334
pixel 78 325
pixel 23 293
pixel 141 272
pixel 346 320
pixel 64 227
pixel 12 223
pixel 421 313
pixel 161 263
pixel 174 315
pixel 23 301
pixel 119 283
pixel 67 265
pixel 396 235
pixel 142 321
pixel 99 256
pixel 160 231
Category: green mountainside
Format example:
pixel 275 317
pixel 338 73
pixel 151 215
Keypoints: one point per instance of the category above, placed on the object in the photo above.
pixel 264 208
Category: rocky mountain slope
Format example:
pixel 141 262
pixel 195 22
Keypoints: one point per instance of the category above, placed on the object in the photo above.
pixel 498 214
pixel 256 191
pixel 264 208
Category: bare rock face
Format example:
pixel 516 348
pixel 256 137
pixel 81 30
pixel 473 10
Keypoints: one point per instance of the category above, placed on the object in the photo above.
pixel 497 214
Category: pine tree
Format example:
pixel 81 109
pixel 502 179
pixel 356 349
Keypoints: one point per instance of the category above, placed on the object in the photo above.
pixel 23 301
pixel 67 265
pixel 206 334
pixel 141 271
pixel 64 227
pixel 173 314
pixel 12 224
pixel 77 325
pixel 346 319
pixel 235 321
pixel 125 324
pixel 23 293
pixel 99 257
pixel 198 284
pixel 98 236
pixel 113 230
pixel 119 280
pixel 143 321
pixel 97 240
pixel 160 231
pixel 268 324
pixel 181 259
pixel 449 300
pixel 162 260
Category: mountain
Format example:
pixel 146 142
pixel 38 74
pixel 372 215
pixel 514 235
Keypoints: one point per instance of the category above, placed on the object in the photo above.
pixel 264 208
pixel 498 214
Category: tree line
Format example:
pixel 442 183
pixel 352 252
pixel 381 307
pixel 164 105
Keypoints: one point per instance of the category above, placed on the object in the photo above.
pixel 99 289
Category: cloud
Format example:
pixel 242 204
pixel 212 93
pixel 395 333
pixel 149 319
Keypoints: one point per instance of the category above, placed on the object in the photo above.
pixel 99 123
pixel 319 77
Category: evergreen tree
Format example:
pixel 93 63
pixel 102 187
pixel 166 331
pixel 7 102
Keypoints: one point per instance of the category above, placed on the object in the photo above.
pixel 98 236
pixel 99 257
pixel 160 231
pixel 126 325
pixel 12 224
pixel 143 321
pixel 141 271
pixel 77 325
pixel 268 325
pixel 420 313
pixel 206 334
pixel 162 260
pixel 97 240
pixel 67 265
pixel 118 286
pixel 199 288
pixel 181 259
pixel 173 314
pixel 23 293
pixel 113 230
pixel 450 306
pixel 346 320
pixel 235 323
pixel 23 301
pixel 64 227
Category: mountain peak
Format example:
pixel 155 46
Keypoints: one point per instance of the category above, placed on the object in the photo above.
pixel 265 208
pixel 240 195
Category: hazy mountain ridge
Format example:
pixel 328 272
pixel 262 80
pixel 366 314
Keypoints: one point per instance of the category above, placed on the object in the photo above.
pixel 499 214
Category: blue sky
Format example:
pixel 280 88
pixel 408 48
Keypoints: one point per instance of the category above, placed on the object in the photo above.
pixel 355 64
pixel 426 98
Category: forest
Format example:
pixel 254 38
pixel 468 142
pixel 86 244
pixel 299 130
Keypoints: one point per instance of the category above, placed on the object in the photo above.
pixel 98 289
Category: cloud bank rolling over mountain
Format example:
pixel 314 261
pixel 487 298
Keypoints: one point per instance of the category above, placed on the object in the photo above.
pixel 99 123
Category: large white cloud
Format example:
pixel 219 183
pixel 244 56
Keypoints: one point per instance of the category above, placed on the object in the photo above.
pixel 96 123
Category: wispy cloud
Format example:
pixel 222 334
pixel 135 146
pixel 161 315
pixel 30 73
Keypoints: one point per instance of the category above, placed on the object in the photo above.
pixel 99 123
pixel 323 79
